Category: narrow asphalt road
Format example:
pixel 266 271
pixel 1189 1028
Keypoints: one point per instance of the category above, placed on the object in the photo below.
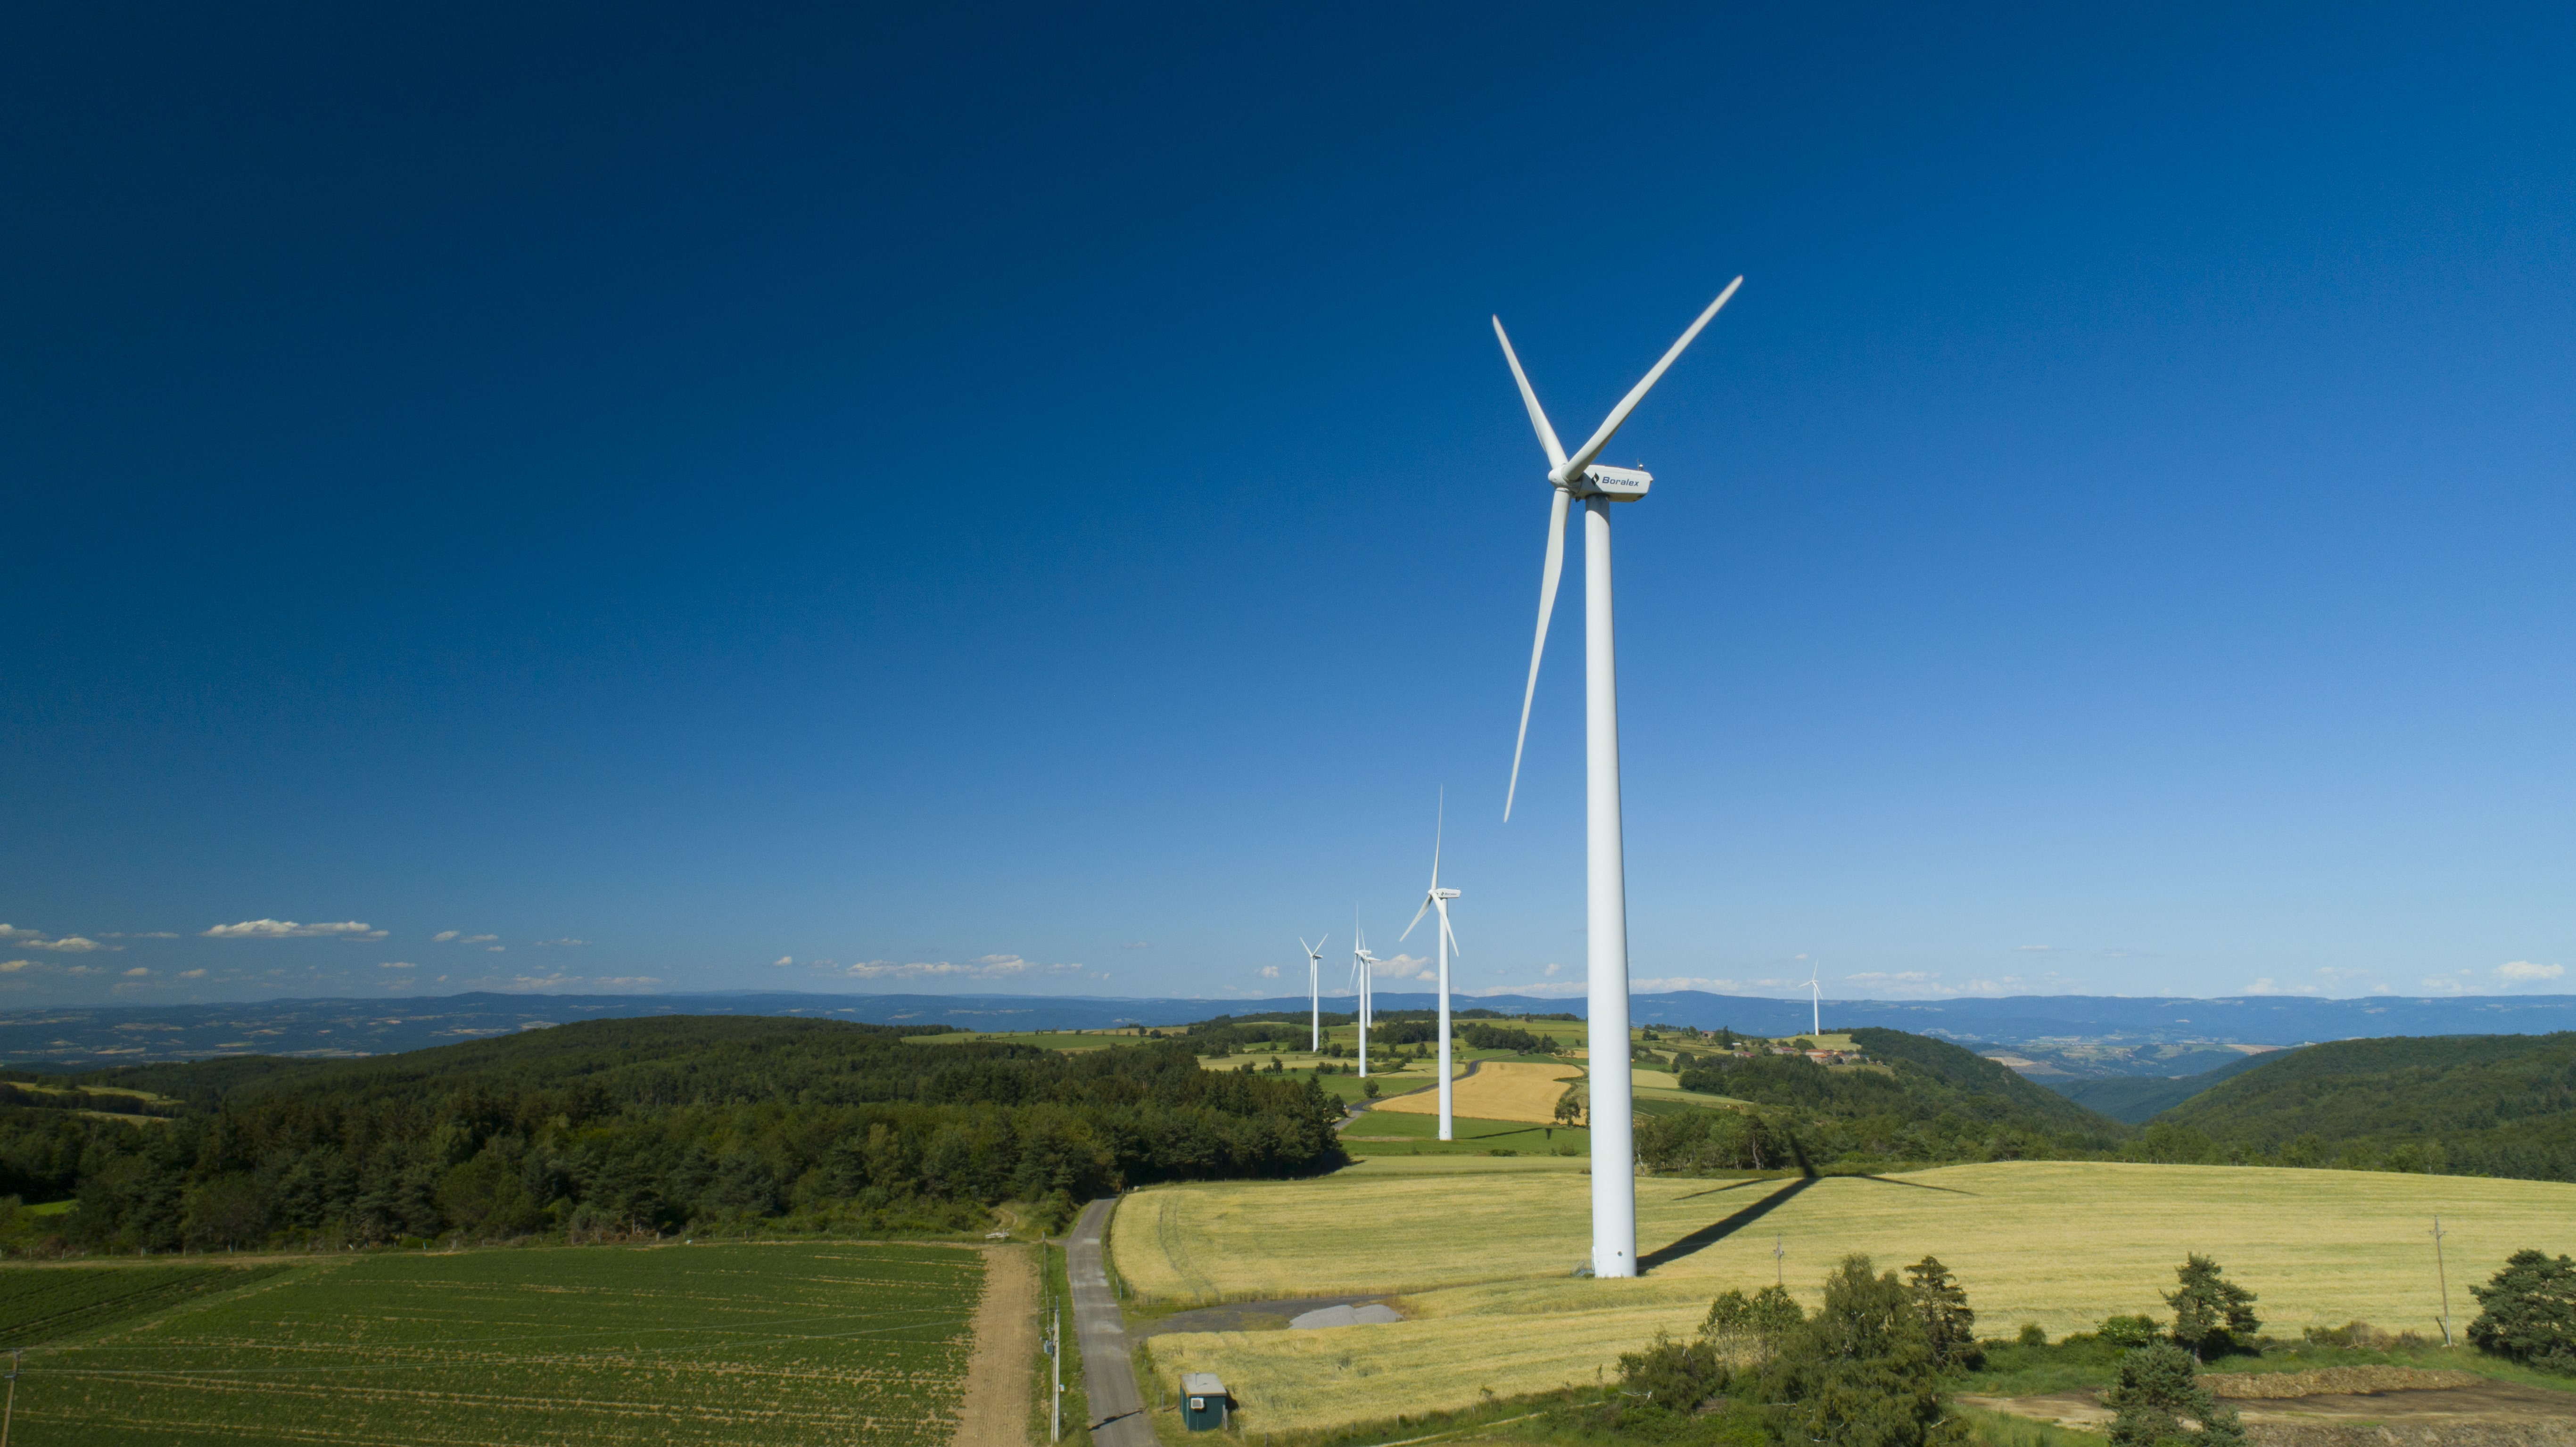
pixel 1108 1374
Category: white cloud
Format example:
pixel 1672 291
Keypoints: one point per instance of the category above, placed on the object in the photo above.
pixel 11 967
pixel 494 949
pixel 478 939
pixel 2524 971
pixel 12 932
pixel 1271 972
pixel 281 929
pixel 192 974
pixel 624 982
pixel 395 965
pixel 1685 982
pixel 137 971
pixel 154 934
pixel 2269 986
pixel 982 967
pixel 567 942
pixel 1550 970
pixel 1556 988
pixel 443 936
pixel 1909 977
pixel 68 944
pixel 782 962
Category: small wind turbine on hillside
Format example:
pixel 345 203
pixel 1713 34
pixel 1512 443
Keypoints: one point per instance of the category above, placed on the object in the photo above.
pixel 1437 898
pixel 1314 988
pixel 1614 1169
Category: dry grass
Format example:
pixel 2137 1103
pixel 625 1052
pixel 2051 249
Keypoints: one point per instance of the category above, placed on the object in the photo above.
pixel 1482 1258
pixel 1499 1090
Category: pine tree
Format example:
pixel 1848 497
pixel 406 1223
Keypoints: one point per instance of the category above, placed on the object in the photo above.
pixel 1860 1372
pixel 2211 1314
pixel 2159 1386
pixel 2528 1312
pixel 1947 1321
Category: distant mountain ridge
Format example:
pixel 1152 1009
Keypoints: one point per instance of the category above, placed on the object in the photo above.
pixel 87 1037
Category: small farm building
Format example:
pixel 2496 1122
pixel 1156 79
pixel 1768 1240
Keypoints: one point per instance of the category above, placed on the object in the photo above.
pixel 1203 1402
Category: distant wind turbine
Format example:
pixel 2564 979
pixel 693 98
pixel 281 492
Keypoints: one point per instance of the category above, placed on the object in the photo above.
pixel 1614 1169
pixel 1437 898
pixel 1315 988
pixel 1816 995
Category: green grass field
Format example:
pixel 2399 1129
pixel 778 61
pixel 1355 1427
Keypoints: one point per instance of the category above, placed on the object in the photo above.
pixel 54 1303
pixel 1480 1253
pixel 1420 1135
pixel 793 1343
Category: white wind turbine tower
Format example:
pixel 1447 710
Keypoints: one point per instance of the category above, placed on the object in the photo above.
pixel 1614 1171
pixel 1438 898
pixel 1315 988
pixel 1363 965
pixel 1816 996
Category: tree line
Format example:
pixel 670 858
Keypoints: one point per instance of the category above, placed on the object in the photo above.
pixel 646 1126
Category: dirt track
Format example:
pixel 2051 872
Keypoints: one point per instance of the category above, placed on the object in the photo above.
pixel 2488 1414
pixel 1499 1090
pixel 996 1413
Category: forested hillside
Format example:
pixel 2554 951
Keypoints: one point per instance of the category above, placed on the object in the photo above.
pixel 643 1125
pixel 2488 1105
pixel 1920 1100
pixel 2138 1099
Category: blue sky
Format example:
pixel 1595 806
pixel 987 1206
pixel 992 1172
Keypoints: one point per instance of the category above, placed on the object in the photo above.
pixel 1027 499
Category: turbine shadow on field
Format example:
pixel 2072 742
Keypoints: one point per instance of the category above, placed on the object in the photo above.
pixel 1918 1185
pixel 1716 1231
pixel 1729 1186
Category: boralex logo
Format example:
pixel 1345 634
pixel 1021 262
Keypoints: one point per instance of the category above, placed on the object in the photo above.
pixel 1618 482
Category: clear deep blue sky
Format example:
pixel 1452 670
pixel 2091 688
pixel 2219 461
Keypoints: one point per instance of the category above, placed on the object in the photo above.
pixel 1028 499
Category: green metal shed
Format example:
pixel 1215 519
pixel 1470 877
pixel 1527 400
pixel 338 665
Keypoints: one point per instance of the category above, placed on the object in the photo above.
pixel 1203 1402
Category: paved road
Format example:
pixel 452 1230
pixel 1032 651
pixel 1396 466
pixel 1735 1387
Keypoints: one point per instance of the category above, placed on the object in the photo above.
pixel 1108 1375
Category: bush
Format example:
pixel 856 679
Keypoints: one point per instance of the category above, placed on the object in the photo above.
pixel 2033 1334
pixel 2128 1332
pixel 2528 1312
pixel 2159 1385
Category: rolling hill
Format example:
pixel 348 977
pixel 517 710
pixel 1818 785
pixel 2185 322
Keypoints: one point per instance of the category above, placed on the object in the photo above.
pixel 2489 1105
pixel 2138 1099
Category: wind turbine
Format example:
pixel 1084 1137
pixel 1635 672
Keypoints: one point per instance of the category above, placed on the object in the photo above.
pixel 1816 994
pixel 1315 988
pixel 1438 898
pixel 1614 1170
pixel 1363 965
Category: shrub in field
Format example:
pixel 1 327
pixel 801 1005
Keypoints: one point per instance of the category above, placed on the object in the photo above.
pixel 1742 1327
pixel 2211 1313
pixel 2159 1386
pixel 2032 1335
pixel 2528 1312
pixel 1861 1371
pixel 2128 1332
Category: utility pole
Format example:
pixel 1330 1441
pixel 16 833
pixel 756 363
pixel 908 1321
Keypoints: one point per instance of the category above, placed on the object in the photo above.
pixel 2440 1270
pixel 1779 1265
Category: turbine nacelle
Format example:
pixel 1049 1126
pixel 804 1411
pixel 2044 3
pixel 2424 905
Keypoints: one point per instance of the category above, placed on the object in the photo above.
pixel 1618 484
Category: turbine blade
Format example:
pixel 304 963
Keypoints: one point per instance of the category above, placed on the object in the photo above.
pixel 1454 951
pixel 1439 821
pixel 1538 414
pixel 1417 919
pixel 1549 572
pixel 1637 394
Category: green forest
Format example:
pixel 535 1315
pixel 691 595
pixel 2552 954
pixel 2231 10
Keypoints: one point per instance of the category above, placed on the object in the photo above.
pixel 2487 1105
pixel 621 1128
pixel 1921 1100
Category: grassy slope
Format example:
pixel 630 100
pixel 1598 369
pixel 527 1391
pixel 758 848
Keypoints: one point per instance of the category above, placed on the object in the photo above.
pixel 2473 1093
pixel 2138 1099
pixel 1482 1251
pixel 735 1344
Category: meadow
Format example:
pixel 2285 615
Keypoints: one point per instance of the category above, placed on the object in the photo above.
pixel 737 1343
pixel 1479 1253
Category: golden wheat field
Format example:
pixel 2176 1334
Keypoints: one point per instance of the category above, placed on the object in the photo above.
pixel 1480 1259
pixel 1499 1090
